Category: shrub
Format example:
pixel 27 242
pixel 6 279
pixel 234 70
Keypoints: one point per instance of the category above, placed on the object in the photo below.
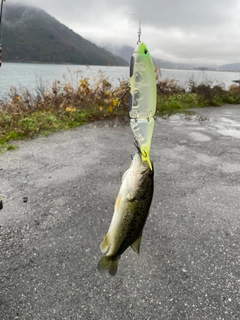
pixel 68 104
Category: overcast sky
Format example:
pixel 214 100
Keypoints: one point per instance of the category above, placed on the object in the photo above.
pixel 191 31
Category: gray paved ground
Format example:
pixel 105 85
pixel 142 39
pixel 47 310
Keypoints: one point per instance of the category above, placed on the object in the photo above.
pixel 189 266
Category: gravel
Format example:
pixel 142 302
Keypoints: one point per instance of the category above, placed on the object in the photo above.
pixel 58 197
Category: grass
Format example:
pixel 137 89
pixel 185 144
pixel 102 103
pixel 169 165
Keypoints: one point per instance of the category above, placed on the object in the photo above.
pixel 67 105
pixel 7 147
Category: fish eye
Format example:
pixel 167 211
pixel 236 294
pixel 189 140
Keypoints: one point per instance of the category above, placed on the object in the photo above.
pixel 145 52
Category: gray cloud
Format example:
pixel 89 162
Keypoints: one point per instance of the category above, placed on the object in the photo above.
pixel 199 31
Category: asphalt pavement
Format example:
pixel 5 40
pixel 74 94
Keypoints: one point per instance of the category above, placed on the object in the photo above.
pixel 58 197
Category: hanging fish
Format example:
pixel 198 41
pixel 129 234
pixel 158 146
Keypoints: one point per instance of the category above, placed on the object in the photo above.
pixel 142 104
pixel 130 214
pixel 135 196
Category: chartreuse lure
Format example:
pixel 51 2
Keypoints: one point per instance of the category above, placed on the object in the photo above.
pixel 142 104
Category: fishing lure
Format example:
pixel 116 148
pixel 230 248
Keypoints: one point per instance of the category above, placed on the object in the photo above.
pixel 142 105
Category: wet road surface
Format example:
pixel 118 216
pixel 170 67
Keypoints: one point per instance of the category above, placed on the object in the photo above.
pixel 189 265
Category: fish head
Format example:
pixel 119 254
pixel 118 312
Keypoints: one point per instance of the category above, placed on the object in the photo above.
pixel 140 167
pixel 138 179
pixel 138 173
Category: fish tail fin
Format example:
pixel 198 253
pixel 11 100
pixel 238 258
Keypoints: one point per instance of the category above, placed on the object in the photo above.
pixel 108 264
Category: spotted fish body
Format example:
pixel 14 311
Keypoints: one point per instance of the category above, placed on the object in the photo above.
pixel 130 214
pixel 143 98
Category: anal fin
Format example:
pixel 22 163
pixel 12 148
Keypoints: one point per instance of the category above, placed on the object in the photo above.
pixel 136 244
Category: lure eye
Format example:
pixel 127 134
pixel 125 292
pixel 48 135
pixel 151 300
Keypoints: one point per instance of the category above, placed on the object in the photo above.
pixel 145 52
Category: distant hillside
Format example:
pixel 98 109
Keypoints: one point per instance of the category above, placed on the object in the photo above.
pixel 126 52
pixel 230 67
pixel 31 34
pixel 171 65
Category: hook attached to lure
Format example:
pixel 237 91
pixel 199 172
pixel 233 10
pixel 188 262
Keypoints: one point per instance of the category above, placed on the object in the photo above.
pixel 140 151
pixel 120 99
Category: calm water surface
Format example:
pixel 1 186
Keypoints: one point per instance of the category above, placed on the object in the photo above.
pixel 29 75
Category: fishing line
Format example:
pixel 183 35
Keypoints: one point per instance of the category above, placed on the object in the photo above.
pixel 140 22
pixel 1 35
pixel 139 31
pixel 1 26
pixel 1 30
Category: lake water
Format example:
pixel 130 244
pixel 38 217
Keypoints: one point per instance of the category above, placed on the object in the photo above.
pixel 30 75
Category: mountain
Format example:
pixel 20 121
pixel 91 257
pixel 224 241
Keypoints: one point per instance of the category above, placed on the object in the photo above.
pixel 230 67
pixel 126 52
pixel 32 35
pixel 171 65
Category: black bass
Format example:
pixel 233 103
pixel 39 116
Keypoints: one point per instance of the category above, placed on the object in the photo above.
pixel 130 214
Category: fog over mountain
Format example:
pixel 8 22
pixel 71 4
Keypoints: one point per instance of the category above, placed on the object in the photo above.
pixel 31 34
pixel 190 32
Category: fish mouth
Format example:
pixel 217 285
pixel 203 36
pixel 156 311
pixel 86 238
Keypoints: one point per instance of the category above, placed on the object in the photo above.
pixel 137 160
pixel 145 168
pixel 142 156
pixel 141 166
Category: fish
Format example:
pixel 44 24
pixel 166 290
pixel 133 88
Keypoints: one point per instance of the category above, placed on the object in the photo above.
pixel 130 214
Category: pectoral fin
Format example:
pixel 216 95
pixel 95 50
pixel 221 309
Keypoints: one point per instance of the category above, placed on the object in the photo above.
pixel 105 245
pixel 130 196
pixel 136 244
pixel 124 175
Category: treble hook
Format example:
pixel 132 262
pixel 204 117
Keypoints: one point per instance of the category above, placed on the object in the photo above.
pixel 122 96
pixel 136 144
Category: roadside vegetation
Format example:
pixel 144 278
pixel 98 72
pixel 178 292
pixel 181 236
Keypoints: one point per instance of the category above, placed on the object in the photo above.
pixel 69 104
